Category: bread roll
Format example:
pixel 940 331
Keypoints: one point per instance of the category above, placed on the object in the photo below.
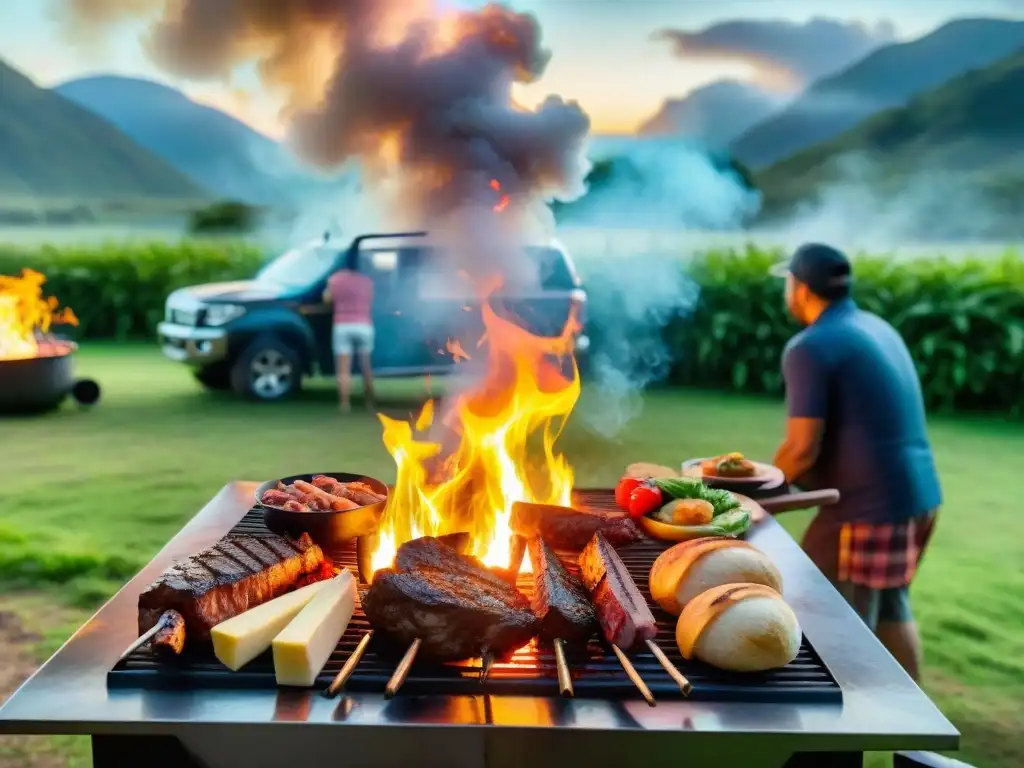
pixel 740 628
pixel 691 567
pixel 644 470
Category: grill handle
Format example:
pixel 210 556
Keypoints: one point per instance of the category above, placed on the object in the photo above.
pixel 804 500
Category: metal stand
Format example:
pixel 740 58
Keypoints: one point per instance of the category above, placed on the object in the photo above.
pixel 134 751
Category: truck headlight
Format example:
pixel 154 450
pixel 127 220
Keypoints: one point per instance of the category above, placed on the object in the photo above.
pixel 221 314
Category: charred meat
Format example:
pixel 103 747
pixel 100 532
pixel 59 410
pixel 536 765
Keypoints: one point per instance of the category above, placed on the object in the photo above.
pixel 238 573
pixel 568 528
pixel 622 611
pixel 170 634
pixel 451 602
pixel 560 600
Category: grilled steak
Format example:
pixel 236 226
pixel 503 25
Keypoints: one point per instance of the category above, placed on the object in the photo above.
pixel 622 611
pixel 227 579
pixel 568 528
pixel 560 600
pixel 170 638
pixel 451 602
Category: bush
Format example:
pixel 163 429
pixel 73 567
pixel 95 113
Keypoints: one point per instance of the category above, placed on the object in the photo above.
pixel 227 217
pixel 118 291
pixel 963 321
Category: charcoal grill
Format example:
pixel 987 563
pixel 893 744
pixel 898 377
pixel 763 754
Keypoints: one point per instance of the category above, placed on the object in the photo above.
pixel 192 725
pixel 531 671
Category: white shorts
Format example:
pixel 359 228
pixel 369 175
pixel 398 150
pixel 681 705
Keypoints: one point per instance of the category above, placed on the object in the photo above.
pixel 351 337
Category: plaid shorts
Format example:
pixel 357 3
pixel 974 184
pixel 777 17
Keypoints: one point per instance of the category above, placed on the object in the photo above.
pixel 871 564
pixel 882 556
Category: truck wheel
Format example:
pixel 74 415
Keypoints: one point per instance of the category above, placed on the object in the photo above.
pixel 216 376
pixel 267 370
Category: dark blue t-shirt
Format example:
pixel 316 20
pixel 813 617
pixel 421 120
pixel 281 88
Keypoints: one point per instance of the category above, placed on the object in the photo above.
pixel 852 369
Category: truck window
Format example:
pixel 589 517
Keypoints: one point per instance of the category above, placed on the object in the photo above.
pixel 300 267
pixel 555 272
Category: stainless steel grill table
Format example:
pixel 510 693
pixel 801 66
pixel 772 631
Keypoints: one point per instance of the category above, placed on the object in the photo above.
pixel 882 708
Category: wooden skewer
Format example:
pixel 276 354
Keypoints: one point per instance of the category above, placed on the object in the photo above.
pixel 682 682
pixel 145 637
pixel 350 666
pixel 564 678
pixel 634 676
pixel 402 670
pixel 485 666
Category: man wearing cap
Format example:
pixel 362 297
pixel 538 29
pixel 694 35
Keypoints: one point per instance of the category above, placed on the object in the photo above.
pixel 856 422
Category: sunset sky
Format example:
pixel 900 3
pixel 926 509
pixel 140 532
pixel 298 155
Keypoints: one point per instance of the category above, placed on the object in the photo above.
pixel 605 54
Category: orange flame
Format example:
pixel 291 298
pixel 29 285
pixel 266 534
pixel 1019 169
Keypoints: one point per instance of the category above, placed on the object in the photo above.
pixel 454 347
pixel 24 314
pixel 503 201
pixel 506 429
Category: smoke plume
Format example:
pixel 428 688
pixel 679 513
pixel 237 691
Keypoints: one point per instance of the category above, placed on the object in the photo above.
pixel 421 99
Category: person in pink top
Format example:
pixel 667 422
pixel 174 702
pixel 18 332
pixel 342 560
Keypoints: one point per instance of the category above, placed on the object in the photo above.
pixel 351 293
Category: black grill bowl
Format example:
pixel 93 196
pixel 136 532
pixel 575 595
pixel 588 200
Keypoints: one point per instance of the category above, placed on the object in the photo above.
pixel 328 529
pixel 37 384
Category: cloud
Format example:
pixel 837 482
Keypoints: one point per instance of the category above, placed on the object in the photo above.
pixel 787 55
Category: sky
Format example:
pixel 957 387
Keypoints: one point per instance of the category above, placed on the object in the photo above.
pixel 607 54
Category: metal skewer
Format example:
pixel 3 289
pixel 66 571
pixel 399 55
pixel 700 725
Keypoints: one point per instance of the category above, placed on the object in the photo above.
pixel 350 666
pixel 634 676
pixel 402 670
pixel 146 636
pixel 564 678
pixel 675 674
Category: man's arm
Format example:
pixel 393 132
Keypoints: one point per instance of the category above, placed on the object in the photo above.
pixel 328 299
pixel 806 407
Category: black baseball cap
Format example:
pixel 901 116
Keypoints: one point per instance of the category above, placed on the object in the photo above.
pixel 823 269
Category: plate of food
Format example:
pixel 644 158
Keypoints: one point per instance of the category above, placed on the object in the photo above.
pixel 682 508
pixel 332 507
pixel 733 470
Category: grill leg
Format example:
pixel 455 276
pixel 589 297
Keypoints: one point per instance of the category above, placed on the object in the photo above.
pixel 826 760
pixel 135 751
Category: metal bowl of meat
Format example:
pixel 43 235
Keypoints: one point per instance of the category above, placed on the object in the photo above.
pixel 332 507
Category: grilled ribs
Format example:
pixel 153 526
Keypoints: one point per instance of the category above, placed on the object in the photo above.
pixel 238 573
pixel 451 602
pixel 622 611
pixel 560 600
pixel 568 528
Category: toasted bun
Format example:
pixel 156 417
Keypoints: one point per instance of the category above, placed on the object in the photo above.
pixel 692 567
pixel 740 628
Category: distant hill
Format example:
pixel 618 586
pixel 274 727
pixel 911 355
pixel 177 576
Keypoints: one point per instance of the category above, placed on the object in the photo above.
pixel 218 151
pixel 887 78
pixel 966 134
pixel 715 114
pixel 51 148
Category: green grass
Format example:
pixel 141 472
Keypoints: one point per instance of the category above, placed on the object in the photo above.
pixel 92 495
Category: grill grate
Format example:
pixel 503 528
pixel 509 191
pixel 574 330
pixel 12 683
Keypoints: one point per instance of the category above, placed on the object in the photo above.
pixel 531 671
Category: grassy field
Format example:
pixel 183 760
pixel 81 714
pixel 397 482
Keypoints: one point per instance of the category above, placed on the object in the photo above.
pixel 92 495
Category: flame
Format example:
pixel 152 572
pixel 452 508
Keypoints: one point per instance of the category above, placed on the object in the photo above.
pixel 505 430
pixel 454 347
pixel 503 200
pixel 24 314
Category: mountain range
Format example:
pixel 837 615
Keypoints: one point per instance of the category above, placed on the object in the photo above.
pixel 51 148
pixel 968 132
pixel 119 137
pixel 714 114
pixel 887 78
pixel 221 153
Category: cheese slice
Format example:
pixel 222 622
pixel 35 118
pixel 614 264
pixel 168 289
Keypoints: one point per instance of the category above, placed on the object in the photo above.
pixel 303 647
pixel 242 638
